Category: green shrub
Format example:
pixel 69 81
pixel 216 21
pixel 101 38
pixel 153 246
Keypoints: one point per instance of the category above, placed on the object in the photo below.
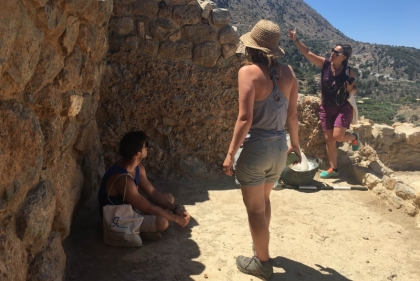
pixel 400 118
pixel 380 112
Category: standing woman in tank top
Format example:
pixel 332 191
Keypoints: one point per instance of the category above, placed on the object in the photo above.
pixel 268 94
pixel 336 115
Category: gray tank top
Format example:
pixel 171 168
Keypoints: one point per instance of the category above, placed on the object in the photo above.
pixel 270 115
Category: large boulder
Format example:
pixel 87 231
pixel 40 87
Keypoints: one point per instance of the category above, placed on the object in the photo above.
pixel 50 264
pixel 34 222
pixel 20 153
pixel 13 256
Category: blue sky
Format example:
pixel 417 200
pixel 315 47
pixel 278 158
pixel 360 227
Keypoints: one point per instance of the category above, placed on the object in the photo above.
pixel 389 22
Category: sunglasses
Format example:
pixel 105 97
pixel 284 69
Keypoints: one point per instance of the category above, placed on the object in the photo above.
pixel 336 53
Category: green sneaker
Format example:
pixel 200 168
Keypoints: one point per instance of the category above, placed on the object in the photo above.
pixel 330 173
pixel 253 266
pixel 355 144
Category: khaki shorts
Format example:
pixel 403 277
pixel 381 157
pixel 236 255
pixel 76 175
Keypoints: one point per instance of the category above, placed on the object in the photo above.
pixel 148 224
pixel 261 162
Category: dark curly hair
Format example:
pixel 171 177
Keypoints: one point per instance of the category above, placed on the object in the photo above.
pixel 131 143
pixel 347 51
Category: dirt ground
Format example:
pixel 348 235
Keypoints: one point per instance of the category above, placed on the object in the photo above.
pixel 411 178
pixel 408 112
pixel 315 235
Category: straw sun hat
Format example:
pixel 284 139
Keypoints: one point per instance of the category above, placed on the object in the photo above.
pixel 265 36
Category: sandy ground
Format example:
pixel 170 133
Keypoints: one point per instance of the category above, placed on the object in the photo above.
pixel 315 235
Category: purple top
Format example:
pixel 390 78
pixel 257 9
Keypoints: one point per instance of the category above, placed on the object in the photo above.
pixel 331 84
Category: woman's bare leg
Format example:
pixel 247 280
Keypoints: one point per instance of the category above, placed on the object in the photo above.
pixel 267 190
pixel 341 135
pixel 331 146
pixel 253 197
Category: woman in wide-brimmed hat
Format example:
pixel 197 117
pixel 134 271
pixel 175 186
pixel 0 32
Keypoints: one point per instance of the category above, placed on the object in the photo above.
pixel 268 93
pixel 338 108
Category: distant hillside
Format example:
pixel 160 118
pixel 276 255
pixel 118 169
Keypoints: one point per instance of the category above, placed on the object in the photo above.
pixel 287 13
pixel 387 75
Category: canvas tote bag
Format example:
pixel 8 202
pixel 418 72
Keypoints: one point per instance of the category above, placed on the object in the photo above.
pixel 121 223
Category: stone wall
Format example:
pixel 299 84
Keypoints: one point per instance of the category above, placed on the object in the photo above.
pixel 385 150
pixel 397 146
pixel 388 149
pixel 171 72
pixel 50 68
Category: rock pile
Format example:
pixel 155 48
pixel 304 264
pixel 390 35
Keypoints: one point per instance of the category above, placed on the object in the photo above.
pixel 389 148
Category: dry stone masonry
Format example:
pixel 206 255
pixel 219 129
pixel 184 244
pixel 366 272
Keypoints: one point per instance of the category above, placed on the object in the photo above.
pixel 171 71
pixel 388 149
pixel 50 69
pixel 174 30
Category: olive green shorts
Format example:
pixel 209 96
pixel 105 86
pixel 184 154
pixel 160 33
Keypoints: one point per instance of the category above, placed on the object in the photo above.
pixel 260 162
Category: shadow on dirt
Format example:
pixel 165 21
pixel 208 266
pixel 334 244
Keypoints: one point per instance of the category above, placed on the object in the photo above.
pixel 88 258
pixel 294 270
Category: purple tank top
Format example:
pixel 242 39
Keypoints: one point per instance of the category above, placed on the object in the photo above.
pixel 331 84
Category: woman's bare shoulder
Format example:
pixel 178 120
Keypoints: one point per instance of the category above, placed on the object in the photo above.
pixel 285 68
pixel 287 71
pixel 251 72
pixel 249 68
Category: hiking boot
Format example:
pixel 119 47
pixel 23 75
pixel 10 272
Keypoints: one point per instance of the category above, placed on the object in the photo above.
pixel 153 236
pixel 253 266
pixel 330 173
pixel 355 144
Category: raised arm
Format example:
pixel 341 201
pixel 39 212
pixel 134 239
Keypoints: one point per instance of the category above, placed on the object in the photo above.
pixel 313 58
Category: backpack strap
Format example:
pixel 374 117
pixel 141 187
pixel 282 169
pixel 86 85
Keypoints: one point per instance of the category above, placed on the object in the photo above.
pixel 348 71
pixel 125 186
